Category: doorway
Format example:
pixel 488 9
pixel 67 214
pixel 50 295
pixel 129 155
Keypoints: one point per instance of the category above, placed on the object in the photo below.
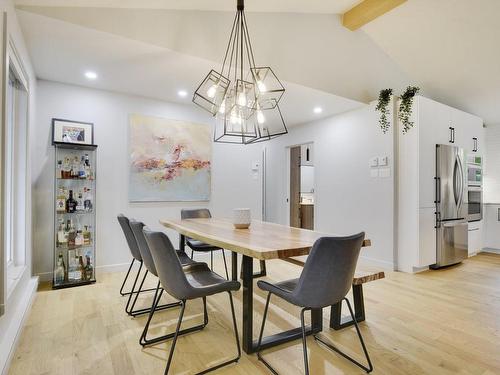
pixel 302 186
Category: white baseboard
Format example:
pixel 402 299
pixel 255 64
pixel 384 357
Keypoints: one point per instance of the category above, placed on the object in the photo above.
pixel 490 250
pixel 371 262
pixel 18 317
pixel 118 267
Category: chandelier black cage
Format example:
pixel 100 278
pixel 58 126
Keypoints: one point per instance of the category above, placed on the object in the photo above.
pixel 248 111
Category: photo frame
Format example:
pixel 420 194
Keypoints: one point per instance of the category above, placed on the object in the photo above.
pixel 72 132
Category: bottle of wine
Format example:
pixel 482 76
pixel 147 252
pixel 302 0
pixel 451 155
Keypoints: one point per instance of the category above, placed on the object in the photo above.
pixel 71 235
pixel 70 203
pixel 89 269
pixel 60 271
pixel 81 171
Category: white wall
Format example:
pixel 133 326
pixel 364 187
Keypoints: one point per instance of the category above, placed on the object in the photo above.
pixel 233 182
pixel 492 167
pixel 347 199
pixel 18 302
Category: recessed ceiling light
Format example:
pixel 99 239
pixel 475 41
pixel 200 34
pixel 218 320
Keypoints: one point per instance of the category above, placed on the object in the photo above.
pixel 317 110
pixel 182 93
pixel 91 75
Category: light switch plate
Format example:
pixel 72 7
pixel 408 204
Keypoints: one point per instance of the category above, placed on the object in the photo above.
pixel 374 162
pixel 384 172
pixel 383 161
pixel 255 166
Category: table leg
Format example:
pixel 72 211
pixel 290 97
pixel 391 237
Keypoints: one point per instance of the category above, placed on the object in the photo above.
pixel 234 266
pixel 182 243
pixel 337 321
pixel 249 345
pixel 247 337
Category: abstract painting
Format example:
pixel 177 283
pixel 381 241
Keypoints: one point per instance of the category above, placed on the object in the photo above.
pixel 169 160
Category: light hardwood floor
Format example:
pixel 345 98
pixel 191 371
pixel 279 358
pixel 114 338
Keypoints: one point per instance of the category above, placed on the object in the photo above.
pixel 436 322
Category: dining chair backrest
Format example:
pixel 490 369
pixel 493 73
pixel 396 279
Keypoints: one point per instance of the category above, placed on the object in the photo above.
pixel 167 264
pixel 136 227
pixel 129 236
pixel 198 213
pixel 329 270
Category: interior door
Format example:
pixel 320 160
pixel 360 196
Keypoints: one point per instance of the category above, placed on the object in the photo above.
pixel 295 187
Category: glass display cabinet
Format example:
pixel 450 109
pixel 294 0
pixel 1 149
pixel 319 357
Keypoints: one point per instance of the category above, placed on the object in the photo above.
pixel 74 215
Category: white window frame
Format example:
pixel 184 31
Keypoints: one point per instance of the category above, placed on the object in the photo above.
pixel 20 226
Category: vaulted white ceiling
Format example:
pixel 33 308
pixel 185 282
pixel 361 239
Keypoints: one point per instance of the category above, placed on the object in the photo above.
pixel 447 47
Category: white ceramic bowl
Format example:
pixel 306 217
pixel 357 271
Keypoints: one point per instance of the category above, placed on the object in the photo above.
pixel 242 218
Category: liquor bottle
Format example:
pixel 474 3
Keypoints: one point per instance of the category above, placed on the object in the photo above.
pixel 88 170
pixel 70 203
pixel 66 171
pixel 59 169
pixel 79 202
pixel 60 271
pixel 81 171
pixel 75 167
pixel 86 235
pixel 62 235
pixel 71 235
pixel 87 203
pixel 61 200
pixel 71 265
pixel 79 238
pixel 89 269
pixel 80 272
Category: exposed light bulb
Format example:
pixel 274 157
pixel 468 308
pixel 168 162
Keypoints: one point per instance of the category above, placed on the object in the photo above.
pixel 260 117
pixel 262 87
pixel 222 108
pixel 212 91
pixel 242 99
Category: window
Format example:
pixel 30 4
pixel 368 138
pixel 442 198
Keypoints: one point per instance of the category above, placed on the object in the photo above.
pixel 15 171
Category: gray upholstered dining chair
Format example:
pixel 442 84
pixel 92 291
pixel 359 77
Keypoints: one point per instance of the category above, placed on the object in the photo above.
pixel 188 283
pixel 195 245
pixel 147 258
pixel 325 280
pixel 136 257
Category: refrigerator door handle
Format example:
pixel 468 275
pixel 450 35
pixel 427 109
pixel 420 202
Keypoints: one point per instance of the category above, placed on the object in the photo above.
pixel 462 185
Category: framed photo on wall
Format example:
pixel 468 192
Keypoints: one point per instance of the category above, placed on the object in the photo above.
pixel 73 132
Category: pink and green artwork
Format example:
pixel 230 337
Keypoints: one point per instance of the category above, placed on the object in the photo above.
pixel 169 160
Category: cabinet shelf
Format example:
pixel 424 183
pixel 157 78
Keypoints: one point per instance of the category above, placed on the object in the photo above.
pixel 72 283
pixel 75 247
pixel 76 213
pixel 76 179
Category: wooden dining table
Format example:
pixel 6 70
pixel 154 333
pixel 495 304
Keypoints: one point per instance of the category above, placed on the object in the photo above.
pixel 262 241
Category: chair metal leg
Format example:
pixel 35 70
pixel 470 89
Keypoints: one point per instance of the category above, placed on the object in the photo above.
pixel 178 332
pixel 225 264
pixel 133 288
pixel 154 307
pixel 136 293
pixel 259 355
pixel 126 277
pixel 172 348
pixel 304 342
pixel 212 260
pixel 330 346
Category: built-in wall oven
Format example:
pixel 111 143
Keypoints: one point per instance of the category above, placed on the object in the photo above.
pixel 475 187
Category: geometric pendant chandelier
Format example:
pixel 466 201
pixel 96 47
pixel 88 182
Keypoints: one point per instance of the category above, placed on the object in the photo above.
pixel 243 98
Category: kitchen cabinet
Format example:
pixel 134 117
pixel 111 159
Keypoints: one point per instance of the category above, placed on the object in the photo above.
pixel 417 169
pixel 475 237
pixel 307 216
pixel 491 228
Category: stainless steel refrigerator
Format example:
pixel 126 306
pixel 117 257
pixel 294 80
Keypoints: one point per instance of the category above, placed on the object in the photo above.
pixel 451 206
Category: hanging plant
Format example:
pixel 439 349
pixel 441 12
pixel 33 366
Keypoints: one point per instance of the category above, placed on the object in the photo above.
pixel 405 107
pixel 382 106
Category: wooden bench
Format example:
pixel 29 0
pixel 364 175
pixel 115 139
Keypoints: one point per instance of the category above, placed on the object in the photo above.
pixel 336 320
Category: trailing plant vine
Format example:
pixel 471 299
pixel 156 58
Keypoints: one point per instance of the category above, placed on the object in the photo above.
pixel 383 101
pixel 405 107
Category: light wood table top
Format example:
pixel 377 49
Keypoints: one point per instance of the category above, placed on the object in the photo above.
pixel 262 240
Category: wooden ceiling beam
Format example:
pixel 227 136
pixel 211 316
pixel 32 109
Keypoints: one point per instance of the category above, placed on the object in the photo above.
pixel 367 11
